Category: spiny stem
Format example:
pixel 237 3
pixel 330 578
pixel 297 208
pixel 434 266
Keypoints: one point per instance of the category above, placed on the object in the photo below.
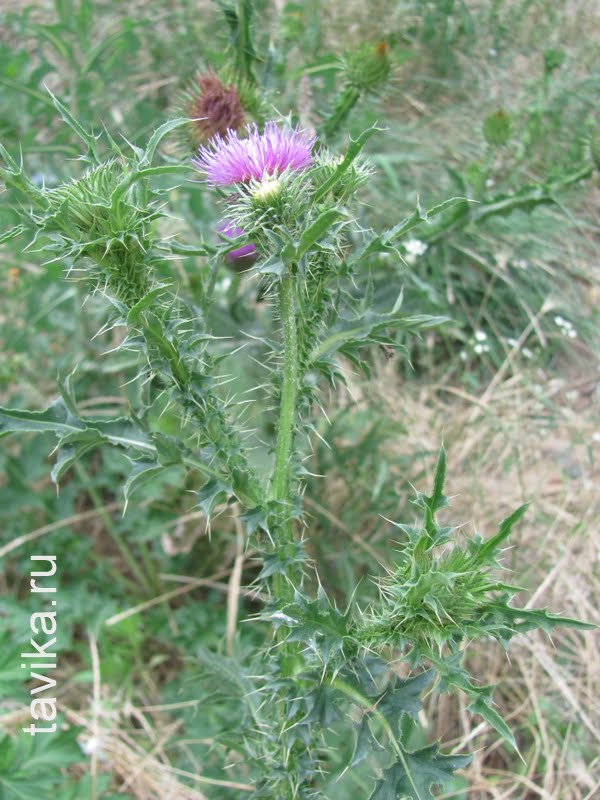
pixel 344 105
pixel 289 392
pixel 282 469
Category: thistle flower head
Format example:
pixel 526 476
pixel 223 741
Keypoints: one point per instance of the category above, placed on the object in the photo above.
pixel 233 160
pixel 246 254
pixel 213 107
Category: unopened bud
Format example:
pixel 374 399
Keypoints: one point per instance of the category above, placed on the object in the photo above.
pixel 368 68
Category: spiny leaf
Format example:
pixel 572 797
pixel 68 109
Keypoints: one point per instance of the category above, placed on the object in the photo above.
pixel 489 548
pixel 142 472
pixel 529 619
pixel 152 296
pixel 366 328
pixel 414 774
pixel 387 241
pixel 12 233
pixel 366 743
pixel 316 230
pixel 404 697
pixel 211 494
pixel 481 705
pixel 56 418
pixel 352 152
pixel 158 135
pixel 72 448
pixel 67 116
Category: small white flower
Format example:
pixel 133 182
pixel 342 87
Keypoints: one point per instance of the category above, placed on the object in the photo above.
pixel 560 322
pixel 512 342
pixel 489 183
pixel 481 348
pixel 415 247
pixel 92 747
pixel 571 333
pixel 481 336
pixel 527 352
pixel 596 436
pixel 521 263
pixel 463 355
pixel 493 52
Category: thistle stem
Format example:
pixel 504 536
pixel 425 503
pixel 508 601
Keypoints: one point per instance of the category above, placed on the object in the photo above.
pixel 289 392
pixel 282 469
pixel 344 105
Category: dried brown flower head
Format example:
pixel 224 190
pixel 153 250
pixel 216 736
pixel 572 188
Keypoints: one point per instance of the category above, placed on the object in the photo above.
pixel 214 108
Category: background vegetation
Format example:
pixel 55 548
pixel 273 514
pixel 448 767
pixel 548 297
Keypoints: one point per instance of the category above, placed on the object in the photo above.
pixel 494 101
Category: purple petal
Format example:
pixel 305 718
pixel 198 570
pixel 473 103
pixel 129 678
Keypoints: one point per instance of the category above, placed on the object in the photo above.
pixel 235 160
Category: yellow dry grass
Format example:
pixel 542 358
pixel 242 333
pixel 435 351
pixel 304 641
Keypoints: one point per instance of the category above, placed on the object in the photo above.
pixel 534 438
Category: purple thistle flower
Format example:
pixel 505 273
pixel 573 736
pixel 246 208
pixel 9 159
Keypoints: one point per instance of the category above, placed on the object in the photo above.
pixel 235 160
pixel 245 254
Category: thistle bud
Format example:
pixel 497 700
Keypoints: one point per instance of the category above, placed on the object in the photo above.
pixel 497 128
pixel 213 108
pixel 368 68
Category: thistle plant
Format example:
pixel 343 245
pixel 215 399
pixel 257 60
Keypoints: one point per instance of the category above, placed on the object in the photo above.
pixel 289 209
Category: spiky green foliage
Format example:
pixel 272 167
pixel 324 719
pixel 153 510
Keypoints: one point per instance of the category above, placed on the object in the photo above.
pixel 325 669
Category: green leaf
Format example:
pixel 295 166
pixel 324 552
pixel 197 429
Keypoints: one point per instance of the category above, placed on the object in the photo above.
pixel 367 328
pixel 404 697
pixel 72 448
pixel 316 623
pixel 490 547
pixel 142 472
pixel 529 619
pixel 120 432
pixel 211 494
pixel 67 116
pixel 317 230
pixel 387 241
pixel 56 418
pixel 146 301
pixel 414 774
pixel 31 766
pixel 366 743
pixel 481 706
pixel 12 233
pixel 158 135
pixel 352 152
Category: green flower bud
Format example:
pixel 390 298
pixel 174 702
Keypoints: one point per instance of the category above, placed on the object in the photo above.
pixel 496 128
pixel 368 69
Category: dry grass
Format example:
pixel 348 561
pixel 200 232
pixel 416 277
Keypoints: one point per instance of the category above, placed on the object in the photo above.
pixel 530 437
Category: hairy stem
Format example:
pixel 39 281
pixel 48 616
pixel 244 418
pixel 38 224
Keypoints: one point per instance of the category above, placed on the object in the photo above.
pixel 344 105
pixel 281 483
pixel 289 392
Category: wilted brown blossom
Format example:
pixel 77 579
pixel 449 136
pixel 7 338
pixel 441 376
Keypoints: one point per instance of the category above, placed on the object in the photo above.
pixel 213 107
